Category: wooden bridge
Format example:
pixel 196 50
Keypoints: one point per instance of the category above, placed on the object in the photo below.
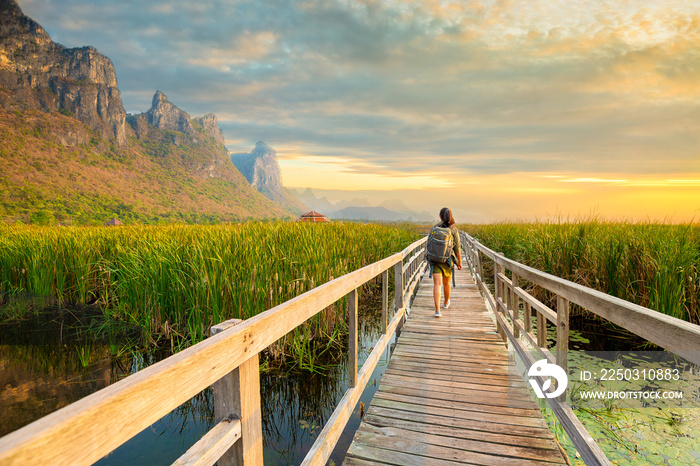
pixel 450 393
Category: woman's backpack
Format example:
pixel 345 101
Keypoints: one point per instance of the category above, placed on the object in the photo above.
pixel 440 244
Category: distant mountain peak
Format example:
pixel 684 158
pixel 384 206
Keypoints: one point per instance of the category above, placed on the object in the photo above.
pixel 158 97
pixel 167 116
pixel 262 170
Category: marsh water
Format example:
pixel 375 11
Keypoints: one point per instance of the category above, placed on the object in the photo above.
pixel 45 365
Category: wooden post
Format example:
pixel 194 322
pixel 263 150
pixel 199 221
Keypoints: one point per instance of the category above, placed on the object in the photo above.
pixel 541 330
pixel 515 302
pixel 481 268
pixel 237 395
pixel 498 289
pixel 398 284
pixel 562 332
pixel 398 293
pixel 528 317
pixel 385 299
pixel 353 340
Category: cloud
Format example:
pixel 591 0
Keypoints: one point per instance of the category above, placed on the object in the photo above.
pixel 454 89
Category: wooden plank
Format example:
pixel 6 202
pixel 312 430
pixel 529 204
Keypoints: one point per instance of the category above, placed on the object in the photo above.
pixel 541 331
pixel 485 367
pixel 515 304
pixel 467 352
pixel 417 407
pixel 491 362
pixel 511 430
pixel 461 433
pixel 349 461
pixel 479 335
pixel 213 445
pixel 461 405
pixel 374 454
pixel 500 451
pixel 457 366
pixel 472 396
pixel 468 377
pixel 442 384
pixel 426 450
pixel 459 450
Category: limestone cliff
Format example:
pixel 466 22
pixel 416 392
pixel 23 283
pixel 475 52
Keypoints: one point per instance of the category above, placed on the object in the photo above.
pixel 261 169
pixel 165 121
pixel 166 116
pixel 37 73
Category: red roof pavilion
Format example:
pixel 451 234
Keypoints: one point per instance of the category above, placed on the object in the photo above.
pixel 313 216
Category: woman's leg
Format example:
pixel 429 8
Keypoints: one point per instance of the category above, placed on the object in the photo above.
pixel 446 284
pixel 437 283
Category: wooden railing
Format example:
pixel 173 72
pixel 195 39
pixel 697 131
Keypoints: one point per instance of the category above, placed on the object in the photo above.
pixel 513 308
pixel 87 430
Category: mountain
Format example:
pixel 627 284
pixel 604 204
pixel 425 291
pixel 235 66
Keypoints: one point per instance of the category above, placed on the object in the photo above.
pixel 262 170
pixel 360 209
pixel 322 204
pixel 70 154
pixel 368 213
pixel 355 202
pixel 37 73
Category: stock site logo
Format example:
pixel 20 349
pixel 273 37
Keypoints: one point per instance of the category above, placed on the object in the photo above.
pixel 544 369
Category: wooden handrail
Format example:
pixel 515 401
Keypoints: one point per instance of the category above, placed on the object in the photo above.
pixel 106 419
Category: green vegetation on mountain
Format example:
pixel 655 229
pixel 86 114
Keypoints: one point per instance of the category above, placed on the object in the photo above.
pixel 57 170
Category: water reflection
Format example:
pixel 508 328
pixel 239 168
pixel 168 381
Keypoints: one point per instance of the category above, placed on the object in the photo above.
pixel 46 364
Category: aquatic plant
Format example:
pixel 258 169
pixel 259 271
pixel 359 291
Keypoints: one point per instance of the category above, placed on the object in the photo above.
pixel 174 282
pixel 654 265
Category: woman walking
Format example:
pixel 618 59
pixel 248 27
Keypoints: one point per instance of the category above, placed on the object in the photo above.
pixel 442 271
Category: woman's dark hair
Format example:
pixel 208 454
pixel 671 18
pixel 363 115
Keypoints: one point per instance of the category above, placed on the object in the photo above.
pixel 446 217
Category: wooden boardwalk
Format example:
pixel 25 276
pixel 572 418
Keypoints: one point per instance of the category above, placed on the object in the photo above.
pixel 450 394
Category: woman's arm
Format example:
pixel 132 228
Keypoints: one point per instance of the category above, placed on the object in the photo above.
pixel 456 249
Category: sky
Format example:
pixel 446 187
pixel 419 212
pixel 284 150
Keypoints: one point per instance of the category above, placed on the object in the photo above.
pixel 499 109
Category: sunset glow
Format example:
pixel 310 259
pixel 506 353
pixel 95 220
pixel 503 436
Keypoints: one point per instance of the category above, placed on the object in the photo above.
pixel 503 109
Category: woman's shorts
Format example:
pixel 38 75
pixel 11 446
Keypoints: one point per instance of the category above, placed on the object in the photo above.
pixel 444 269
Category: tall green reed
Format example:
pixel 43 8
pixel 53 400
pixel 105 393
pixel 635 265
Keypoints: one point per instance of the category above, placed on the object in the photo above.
pixel 176 281
pixel 651 264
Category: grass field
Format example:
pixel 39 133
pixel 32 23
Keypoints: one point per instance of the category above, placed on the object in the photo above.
pixel 174 282
pixel 650 264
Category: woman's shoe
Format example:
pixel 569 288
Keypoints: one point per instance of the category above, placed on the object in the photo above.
pixel 447 304
pixel 437 314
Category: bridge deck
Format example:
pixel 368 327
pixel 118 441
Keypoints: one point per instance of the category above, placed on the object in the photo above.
pixel 451 395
